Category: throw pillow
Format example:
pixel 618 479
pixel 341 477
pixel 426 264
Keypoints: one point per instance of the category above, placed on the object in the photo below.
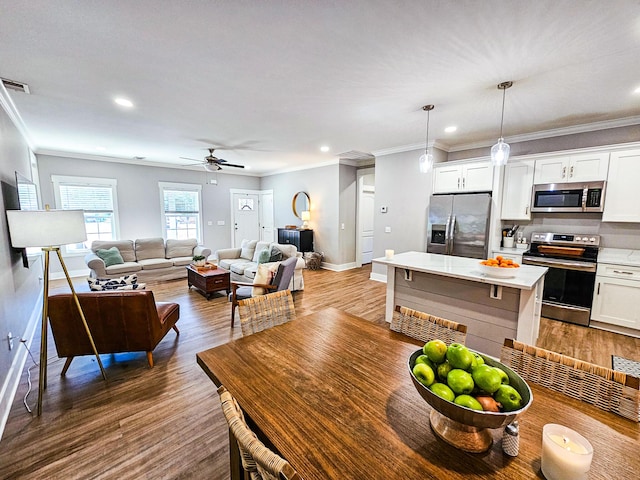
pixel 110 257
pixel 264 256
pixel 127 282
pixel 264 276
pixel 275 254
pixel 247 247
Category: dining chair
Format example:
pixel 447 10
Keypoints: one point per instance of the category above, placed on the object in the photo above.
pixel 258 461
pixel 244 290
pixel 265 311
pixel 603 387
pixel 425 327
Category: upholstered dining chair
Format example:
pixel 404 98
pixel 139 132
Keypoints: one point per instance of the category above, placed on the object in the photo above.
pixel 603 387
pixel 425 327
pixel 244 290
pixel 265 311
pixel 257 460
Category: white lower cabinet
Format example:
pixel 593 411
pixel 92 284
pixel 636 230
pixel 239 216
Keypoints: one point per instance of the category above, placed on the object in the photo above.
pixel 515 257
pixel 616 294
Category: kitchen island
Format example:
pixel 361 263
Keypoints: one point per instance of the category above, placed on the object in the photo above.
pixel 454 288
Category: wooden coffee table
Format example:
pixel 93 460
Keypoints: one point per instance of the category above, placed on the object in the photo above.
pixel 208 281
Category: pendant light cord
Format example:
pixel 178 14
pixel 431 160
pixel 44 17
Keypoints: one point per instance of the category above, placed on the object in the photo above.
pixel 426 143
pixel 504 93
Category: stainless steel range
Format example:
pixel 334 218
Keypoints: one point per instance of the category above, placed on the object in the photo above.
pixel 568 285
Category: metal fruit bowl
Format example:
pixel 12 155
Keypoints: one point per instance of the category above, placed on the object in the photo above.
pixel 466 415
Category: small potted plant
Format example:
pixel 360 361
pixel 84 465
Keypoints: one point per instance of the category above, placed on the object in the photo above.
pixel 199 260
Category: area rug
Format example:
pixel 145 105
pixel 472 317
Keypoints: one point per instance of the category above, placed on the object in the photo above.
pixel 630 367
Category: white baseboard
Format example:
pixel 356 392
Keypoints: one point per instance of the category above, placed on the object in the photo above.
pixel 8 391
pixel 378 277
pixel 339 268
pixel 72 274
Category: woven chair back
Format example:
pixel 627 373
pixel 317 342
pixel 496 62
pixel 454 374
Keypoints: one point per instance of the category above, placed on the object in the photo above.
pixel 607 389
pixel 257 460
pixel 265 311
pixel 425 327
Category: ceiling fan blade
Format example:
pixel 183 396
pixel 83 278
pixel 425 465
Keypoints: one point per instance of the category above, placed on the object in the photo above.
pixel 193 164
pixel 233 165
pixel 193 159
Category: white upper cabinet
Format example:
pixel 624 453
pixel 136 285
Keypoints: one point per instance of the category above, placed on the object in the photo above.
pixel 516 194
pixel 463 177
pixel 622 196
pixel 584 167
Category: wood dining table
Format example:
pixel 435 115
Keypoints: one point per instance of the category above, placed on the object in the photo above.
pixel 332 393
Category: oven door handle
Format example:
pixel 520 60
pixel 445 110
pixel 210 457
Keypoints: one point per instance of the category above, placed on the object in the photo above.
pixel 564 264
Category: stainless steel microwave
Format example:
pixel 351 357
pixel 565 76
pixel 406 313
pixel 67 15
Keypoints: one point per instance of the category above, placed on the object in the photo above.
pixel 568 197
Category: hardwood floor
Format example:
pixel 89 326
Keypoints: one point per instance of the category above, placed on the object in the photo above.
pixel 166 422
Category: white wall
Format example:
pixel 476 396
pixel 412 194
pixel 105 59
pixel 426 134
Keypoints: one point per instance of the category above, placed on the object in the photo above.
pixel 348 197
pixel 19 286
pixel 139 197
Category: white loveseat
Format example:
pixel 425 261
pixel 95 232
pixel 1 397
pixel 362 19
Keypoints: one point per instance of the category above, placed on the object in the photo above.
pixel 151 259
pixel 242 262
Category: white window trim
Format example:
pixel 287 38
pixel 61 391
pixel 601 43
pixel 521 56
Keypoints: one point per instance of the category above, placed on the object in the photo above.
pixel 188 187
pixel 87 181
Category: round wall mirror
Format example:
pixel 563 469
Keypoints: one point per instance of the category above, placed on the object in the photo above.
pixel 300 203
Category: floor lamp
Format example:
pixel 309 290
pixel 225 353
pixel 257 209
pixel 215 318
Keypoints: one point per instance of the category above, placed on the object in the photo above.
pixel 50 229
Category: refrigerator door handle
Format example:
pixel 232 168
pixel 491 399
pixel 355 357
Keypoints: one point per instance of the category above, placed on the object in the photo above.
pixel 452 229
pixel 446 236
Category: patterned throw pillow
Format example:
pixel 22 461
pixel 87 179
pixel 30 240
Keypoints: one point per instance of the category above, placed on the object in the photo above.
pixel 264 276
pixel 110 257
pixel 127 282
pixel 275 254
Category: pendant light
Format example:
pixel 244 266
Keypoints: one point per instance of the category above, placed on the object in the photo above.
pixel 426 159
pixel 500 151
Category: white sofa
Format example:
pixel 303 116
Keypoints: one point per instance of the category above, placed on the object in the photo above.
pixel 242 262
pixel 151 259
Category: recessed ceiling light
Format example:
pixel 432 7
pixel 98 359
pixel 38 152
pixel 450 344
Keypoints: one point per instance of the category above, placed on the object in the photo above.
pixel 637 90
pixel 247 167
pixel 101 149
pixel 451 129
pixel 123 102
pixel 324 149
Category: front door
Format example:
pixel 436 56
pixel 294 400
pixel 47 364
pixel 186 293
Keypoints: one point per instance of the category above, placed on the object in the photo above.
pixel 246 217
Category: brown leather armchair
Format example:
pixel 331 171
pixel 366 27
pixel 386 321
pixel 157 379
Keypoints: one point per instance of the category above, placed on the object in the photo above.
pixel 120 321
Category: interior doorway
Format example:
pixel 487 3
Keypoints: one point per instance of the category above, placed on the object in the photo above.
pixel 365 216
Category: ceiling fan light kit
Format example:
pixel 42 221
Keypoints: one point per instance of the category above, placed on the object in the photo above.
pixel 500 151
pixel 426 159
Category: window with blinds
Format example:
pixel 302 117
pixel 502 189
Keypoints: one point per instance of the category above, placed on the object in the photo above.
pixel 97 198
pixel 181 207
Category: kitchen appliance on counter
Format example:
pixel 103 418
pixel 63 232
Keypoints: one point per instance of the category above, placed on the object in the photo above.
pixel 568 285
pixel 568 197
pixel 458 224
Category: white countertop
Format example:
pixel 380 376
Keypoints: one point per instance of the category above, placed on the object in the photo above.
pixel 525 278
pixel 619 256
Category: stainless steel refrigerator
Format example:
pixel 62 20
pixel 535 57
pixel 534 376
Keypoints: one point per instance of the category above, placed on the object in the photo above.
pixel 458 224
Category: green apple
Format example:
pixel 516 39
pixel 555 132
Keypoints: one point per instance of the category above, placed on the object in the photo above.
pixel 468 401
pixel 508 397
pixel 424 359
pixel 503 376
pixel 460 381
pixel 435 350
pixel 443 391
pixel 487 378
pixel 443 370
pixel 459 356
pixel 424 373
pixel 478 360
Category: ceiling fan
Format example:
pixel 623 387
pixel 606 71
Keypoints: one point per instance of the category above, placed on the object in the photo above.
pixel 212 163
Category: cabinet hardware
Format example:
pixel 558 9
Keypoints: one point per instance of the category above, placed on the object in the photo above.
pixel 564 172
pixel 598 292
pixel 622 272
pixel 458 183
pixel 571 172
pixel 463 179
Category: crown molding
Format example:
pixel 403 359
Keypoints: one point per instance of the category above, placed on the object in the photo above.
pixel 555 132
pixel 14 116
pixel 408 148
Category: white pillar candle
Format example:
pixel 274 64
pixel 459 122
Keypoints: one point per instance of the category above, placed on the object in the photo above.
pixel 566 455
pixel 388 254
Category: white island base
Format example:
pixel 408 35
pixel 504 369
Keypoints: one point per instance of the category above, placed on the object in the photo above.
pixel 453 288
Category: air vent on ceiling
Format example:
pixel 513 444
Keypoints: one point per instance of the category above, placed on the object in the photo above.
pixel 17 86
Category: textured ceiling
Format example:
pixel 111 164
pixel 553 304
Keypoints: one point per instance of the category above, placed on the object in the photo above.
pixel 272 81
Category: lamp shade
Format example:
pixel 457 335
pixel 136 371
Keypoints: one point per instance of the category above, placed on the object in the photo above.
pixel 305 215
pixel 46 228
